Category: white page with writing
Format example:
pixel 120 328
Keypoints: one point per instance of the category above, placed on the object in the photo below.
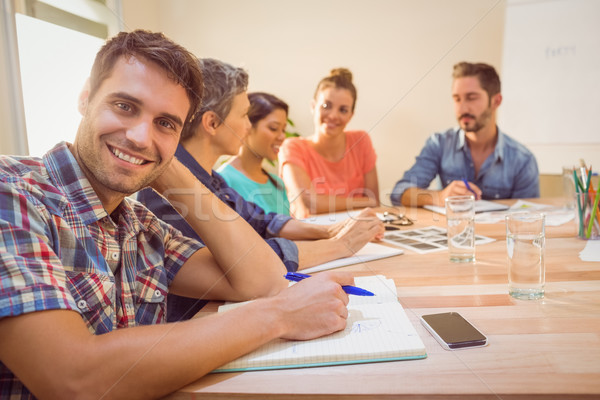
pixel 377 329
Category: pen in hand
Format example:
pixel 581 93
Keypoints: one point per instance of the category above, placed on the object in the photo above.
pixel 297 277
pixel 466 182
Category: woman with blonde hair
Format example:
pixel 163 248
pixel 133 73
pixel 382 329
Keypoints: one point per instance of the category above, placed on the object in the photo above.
pixel 334 169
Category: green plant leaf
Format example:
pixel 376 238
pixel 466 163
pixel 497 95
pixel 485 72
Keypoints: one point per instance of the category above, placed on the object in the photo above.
pixel 291 134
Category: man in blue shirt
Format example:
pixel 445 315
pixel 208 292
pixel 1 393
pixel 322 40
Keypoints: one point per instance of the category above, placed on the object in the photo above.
pixel 475 158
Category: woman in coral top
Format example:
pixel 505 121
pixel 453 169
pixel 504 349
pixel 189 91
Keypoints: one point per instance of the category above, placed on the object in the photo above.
pixel 332 170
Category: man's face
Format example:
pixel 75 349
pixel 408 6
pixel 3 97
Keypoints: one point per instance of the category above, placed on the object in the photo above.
pixel 130 128
pixel 472 105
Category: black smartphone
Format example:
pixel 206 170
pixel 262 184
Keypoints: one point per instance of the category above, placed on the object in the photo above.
pixel 452 331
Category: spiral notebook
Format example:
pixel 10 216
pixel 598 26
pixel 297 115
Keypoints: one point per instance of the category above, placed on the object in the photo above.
pixel 377 330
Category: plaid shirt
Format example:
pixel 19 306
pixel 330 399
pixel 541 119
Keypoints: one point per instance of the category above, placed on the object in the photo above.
pixel 59 248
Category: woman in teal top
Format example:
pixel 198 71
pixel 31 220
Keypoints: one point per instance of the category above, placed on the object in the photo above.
pixel 245 172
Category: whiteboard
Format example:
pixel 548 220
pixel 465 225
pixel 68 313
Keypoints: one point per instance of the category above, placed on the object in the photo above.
pixel 551 80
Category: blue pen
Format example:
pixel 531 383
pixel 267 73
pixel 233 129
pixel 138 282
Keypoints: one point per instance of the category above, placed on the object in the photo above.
pixel 466 182
pixel 297 277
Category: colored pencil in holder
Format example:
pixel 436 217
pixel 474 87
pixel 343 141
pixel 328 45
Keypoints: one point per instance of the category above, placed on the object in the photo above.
pixel 588 233
pixel 580 199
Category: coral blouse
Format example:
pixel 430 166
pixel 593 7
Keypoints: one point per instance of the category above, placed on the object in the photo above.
pixel 343 178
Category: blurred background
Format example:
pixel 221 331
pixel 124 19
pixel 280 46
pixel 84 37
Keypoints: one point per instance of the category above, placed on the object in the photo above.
pixel 401 54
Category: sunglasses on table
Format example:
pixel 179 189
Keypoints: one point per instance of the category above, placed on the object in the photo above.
pixel 392 220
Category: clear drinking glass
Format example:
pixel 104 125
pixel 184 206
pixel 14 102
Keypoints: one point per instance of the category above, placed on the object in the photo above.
pixel 525 247
pixel 460 216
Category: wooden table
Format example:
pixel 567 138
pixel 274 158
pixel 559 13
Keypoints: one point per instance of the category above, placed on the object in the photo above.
pixel 543 349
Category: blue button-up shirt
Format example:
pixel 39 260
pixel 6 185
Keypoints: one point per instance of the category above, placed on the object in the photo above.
pixel 511 171
pixel 267 225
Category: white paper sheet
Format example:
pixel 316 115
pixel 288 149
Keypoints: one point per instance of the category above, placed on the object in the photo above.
pixel 371 251
pixel 591 251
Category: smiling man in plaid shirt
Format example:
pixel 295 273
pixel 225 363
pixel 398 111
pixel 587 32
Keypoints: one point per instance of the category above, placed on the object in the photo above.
pixel 84 271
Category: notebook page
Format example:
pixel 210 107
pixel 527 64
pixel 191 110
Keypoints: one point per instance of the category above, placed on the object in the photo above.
pixel 383 288
pixel 373 332
pixel 377 329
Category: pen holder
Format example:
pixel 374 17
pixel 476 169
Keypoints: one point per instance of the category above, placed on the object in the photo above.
pixel 587 216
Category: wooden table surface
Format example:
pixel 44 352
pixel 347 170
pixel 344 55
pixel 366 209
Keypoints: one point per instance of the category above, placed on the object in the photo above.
pixel 540 349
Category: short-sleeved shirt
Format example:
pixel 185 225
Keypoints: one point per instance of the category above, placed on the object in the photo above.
pixel 511 171
pixel 60 249
pixel 344 178
pixel 270 196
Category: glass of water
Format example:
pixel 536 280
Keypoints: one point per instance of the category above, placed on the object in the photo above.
pixel 460 216
pixel 525 247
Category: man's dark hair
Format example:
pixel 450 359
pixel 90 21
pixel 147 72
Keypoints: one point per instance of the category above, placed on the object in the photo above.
pixel 181 66
pixel 487 75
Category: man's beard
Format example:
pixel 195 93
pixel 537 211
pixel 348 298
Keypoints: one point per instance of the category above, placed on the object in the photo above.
pixel 100 174
pixel 478 123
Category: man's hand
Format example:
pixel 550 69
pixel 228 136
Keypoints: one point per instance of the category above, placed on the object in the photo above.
pixel 313 307
pixel 458 188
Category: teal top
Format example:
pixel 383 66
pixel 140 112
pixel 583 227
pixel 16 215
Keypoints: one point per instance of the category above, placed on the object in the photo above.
pixel 270 196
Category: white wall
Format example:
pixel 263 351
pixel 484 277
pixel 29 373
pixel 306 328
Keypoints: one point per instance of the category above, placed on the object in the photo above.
pixel 400 51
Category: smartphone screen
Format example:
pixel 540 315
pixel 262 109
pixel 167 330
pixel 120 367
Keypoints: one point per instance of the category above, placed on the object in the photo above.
pixel 453 331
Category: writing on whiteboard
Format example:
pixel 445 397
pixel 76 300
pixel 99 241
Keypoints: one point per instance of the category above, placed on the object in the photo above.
pixel 560 51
